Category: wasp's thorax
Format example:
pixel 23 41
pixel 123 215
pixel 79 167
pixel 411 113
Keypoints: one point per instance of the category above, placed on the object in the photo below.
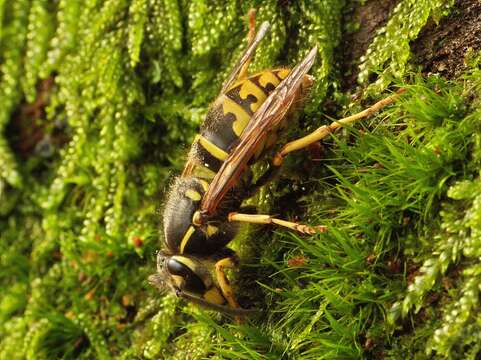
pixel 183 235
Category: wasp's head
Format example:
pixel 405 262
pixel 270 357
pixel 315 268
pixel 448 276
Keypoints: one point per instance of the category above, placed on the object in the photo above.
pixel 190 279
pixel 185 274
pixel 183 234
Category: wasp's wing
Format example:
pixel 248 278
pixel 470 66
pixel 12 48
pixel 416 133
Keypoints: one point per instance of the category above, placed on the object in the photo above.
pixel 251 48
pixel 248 53
pixel 266 118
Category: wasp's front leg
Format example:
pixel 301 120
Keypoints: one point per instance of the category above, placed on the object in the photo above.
pixel 227 263
pixel 325 130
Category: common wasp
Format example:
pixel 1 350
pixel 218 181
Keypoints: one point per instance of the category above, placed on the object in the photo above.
pixel 205 204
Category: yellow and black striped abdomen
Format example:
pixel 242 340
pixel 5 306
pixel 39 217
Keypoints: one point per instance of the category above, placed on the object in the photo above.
pixel 230 114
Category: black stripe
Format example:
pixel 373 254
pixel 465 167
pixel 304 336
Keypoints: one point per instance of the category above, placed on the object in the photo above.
pixel 218 128
pixel 245 104
pixel 275 72
pixel 269 86
pixel 205 158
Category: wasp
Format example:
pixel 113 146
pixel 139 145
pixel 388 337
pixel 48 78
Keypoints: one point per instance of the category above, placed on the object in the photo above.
pixel 204 206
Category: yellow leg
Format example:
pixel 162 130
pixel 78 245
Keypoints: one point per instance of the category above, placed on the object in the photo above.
pixel 250 37
pixel 325 130
pixel 226 263
pixel 268 219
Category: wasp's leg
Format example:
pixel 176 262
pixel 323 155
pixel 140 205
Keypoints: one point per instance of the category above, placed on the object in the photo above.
pixel 325 130
pixel 227 263
pixel 254 38
pixel 268 219
pixel 243 73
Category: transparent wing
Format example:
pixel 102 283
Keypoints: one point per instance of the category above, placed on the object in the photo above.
pixel 266 118
pixel 248 53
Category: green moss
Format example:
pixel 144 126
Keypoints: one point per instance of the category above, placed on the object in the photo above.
pixel 389 53
pixel 14 32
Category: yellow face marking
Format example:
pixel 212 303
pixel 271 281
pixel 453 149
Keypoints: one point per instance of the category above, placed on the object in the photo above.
pixel 185 239
pixel 211 230
pixel 283 73
pixel 268 77
pixel 205 184
pixel 212 148
pixel 193 195
pixel 241 117
pixel 249 88
pixel 214 296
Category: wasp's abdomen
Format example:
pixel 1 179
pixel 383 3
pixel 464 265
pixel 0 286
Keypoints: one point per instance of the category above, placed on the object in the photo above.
pixel 230 114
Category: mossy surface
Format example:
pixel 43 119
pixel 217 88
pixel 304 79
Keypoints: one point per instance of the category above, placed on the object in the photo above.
pixel 98 103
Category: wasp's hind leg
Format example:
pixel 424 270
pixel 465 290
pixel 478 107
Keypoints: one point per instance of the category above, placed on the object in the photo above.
pixel 268 219
pixel 254 38
pixel 325 130
pixel 228 262
pixel 244 71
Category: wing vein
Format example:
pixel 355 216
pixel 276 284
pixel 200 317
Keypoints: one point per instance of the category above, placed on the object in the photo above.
pixel 267 117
